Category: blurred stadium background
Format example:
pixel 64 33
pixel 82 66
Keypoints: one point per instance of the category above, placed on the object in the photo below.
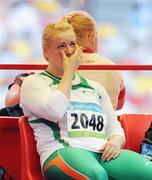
pixel 124 31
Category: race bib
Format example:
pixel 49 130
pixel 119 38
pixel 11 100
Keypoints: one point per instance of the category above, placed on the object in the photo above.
pixel 86 120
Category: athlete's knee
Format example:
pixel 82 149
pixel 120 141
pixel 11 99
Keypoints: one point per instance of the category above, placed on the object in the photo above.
pixel 98 174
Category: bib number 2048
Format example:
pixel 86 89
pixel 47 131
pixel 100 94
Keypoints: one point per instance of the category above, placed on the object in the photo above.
pixel 96 121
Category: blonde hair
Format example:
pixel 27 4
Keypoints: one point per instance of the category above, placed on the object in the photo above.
pixel 82 23
pixel 53 28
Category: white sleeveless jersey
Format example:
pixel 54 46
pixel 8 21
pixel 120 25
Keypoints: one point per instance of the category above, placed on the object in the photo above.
pixel 84 121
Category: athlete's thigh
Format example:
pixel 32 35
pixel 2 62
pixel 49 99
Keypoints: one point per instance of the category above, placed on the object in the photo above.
pixel 79 164
pixel 129 165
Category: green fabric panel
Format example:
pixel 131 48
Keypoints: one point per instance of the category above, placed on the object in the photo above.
pixel 54 128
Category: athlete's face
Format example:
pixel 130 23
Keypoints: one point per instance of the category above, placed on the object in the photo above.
pixel 65 41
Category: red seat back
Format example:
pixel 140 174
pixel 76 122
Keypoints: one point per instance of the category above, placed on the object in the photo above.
pixel 30 160
pixel 135 126
pixel 10 146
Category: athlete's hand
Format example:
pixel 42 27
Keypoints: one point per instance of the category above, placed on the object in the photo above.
pixel 110 151
pixel 73 62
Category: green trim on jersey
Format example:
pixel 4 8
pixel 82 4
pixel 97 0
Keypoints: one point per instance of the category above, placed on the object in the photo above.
pixel 53 126
pixel 83 82
pixel 55 80
pixel 85 134
pixel 52 76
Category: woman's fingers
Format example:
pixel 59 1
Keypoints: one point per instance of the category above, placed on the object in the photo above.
pixel 113 155
pixel 107 151
pixel 78 52
pixel 110 152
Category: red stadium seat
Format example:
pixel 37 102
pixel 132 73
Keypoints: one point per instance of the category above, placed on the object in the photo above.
pixel 135 126
pixel 30 162
pixel 10 146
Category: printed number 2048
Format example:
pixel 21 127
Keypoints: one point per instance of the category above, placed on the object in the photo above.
pixel 95 121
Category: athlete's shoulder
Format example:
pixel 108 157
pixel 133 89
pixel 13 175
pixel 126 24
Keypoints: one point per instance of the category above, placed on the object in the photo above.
pixel 32 79
pixel 94 58
pixel 100 60
pixel 107 61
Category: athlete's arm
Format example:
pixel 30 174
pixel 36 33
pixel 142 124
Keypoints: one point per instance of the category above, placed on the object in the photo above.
pixel 121 98
pixel 114 131
pixel 13 95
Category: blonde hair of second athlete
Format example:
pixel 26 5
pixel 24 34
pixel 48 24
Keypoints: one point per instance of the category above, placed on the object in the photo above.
pixel 51 29
pixel 84 26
